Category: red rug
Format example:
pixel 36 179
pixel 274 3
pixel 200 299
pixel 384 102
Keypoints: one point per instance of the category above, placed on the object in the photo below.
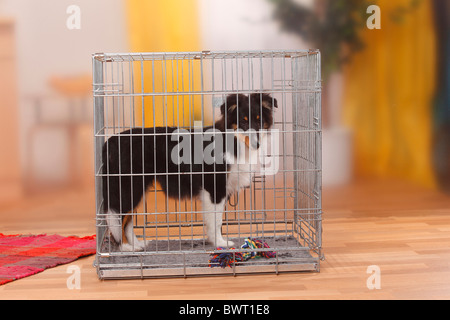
pixel 22 256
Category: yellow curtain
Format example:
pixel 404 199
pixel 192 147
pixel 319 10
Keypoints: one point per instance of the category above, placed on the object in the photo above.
pixel 165 26
pixel 389 92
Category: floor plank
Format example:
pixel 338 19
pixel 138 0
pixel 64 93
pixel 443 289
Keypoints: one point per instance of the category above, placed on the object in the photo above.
pixel 401 228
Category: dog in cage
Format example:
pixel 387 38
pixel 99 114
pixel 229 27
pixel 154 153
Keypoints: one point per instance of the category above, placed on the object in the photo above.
pixel 137 158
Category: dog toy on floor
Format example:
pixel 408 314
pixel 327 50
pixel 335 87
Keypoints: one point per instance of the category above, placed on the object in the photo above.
pixel 227 259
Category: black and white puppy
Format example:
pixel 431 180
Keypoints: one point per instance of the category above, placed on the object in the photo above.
pixel 134 159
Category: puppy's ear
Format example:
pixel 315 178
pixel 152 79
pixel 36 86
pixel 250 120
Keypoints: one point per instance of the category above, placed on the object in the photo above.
pixel 267 101
pixel 232 102
pixel 273 101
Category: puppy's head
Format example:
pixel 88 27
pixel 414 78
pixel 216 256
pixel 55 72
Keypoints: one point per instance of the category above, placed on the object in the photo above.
pixel 249 114
pixel 262 105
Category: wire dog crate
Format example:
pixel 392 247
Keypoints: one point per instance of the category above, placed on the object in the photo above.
pixel 281 207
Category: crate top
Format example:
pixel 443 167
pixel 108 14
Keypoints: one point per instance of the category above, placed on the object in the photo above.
pixel 149 56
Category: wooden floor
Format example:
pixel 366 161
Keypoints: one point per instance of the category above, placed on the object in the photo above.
pixel 402 229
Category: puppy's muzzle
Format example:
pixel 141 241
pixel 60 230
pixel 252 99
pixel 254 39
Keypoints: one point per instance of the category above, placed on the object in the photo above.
pixel 252 140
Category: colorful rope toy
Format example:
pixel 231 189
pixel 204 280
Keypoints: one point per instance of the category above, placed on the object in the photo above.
pixel 227 259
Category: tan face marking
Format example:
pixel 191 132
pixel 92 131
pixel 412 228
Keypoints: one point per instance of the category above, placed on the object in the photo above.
pixel 267 105
pixel 230 109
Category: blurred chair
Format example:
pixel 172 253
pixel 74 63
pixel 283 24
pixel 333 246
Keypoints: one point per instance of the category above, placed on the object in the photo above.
pixel 74 92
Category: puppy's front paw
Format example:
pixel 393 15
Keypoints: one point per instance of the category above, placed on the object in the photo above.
pixel 136 246
pixel 223 243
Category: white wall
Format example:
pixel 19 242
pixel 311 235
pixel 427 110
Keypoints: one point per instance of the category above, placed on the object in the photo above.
pixel 47 48
pixel 243 25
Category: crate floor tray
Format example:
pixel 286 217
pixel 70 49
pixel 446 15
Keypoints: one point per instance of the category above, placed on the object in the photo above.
pixel 168 258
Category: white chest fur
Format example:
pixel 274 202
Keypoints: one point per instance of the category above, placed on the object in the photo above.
pixel 242 169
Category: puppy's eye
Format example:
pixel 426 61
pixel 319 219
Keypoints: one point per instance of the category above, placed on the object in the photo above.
pixel 245 118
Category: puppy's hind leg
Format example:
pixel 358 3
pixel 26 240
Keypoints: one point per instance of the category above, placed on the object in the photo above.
pixel 129 241
pixel 213 219
pixel 123 232
pixel 114 222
